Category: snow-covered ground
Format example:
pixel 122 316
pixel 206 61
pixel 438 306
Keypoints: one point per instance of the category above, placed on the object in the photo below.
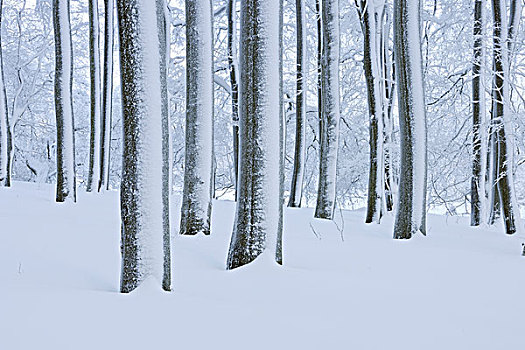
pixel 458 288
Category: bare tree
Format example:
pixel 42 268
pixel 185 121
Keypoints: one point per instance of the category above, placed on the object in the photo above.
pixel 233 65
pixel 4 121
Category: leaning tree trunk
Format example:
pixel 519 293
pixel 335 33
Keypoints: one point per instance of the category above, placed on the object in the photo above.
pixel 477 184
pixel 94 65
pixel 411 208
pixel 257 218
pixel 296 190
pixel 329 133
pixel 233 65
pixel 143 208
pixel 373 76
pixel 4 124
pixel 66 183
pixel 500 123
pixel 107 97
pixel 198 170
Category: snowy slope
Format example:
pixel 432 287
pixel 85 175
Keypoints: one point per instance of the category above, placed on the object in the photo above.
pixel 458 288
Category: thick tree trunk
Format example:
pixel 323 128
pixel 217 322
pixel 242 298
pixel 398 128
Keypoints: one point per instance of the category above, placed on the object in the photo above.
pixel 66 182
pixel 373 76
pixel 198 170
pixel 411 208
pixel 258 214
pixel 143 207
pixel 501 124
pixel 233 65
pixel 319 68
pixel 107 97
pixel 326 193
pixel 296 190
pixel 477 188
pixel 4 122
pixel 94 65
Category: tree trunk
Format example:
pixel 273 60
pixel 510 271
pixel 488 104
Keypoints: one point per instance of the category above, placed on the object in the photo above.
pixel 143 207
pixel 198 170
pixel 477 189
pixel 4 123
pixel 411 208
pixel 501 124
pixel 296 190
pixel 94 65
pixel 233 65
pixel 326 194
pixel 66 182
pixel 258 214
pixel 107 97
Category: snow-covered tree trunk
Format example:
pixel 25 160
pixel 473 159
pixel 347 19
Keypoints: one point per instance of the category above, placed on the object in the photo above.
pixel 372 27
pixel 477 188
pixel 411 208
pixel 296 190
pixel 319 21
pixel 257 218
pixel 500 119
pixel 94 65
pixel 198 170
pixel 4 124
pixel 107 96
pixel 329 133
pixel 143 208
pixel 233 65
pixel 66 182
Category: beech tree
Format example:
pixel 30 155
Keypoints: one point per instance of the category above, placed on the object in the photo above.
pixel 259 206
pixel 198 165
pixel 330 107
pixel 66 182
pixel 233 65
pixel 411 208
pixel 4 124
pixel 107 96
pixel 143 207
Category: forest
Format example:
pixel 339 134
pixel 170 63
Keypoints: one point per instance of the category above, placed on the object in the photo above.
pixel 313 165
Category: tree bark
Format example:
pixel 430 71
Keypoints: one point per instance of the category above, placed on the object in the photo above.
pixel 411 208
pixel 107 96
pixel 258 214
pixel 296 190
pixel 326 193
pixel 143 206
pixel 66 182
pixel 198 170
pixel 4 120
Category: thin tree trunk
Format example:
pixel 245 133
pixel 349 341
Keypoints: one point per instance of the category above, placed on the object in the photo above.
pixel 4 122
pixel 143 207
pixel 259 206
pixel 66 182
pixel 389 86
pixel 296 190
pixel 411 208
pixel 107 96
pixel 94 64
pixel 233 65
pixel 326 194
pixel 319 68
pixel 198 170
pixel 477 189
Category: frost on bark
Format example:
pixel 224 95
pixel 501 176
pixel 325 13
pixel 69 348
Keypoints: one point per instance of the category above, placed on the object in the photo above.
pixel 233 65
pixel 500 123
pixel 371 18
pixel 411 208
pixel 198 169
pixel 477 187
pixel 330 104
pixel 4 122
pixel 66 182
pixel 107 96
pixel 296 190
pixel 258 213
pixel 94 68
pixel 143 208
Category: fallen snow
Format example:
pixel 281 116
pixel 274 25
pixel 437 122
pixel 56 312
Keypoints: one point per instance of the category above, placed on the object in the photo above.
pixel 458 288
